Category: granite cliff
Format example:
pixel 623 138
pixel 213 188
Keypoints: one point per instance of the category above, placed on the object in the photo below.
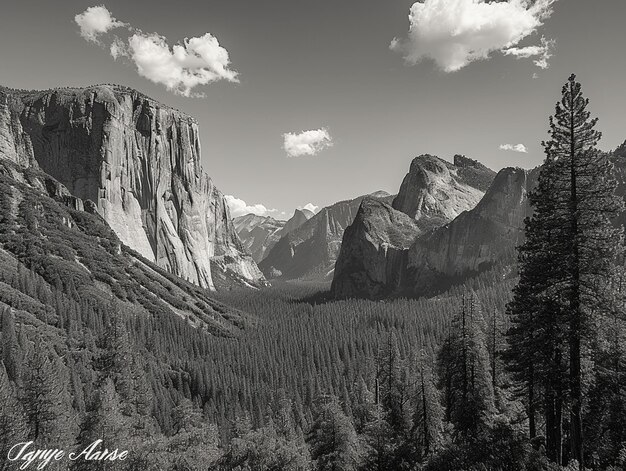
pixel 138 161
pixel 374 252
pixel 476 240
pixel 374 256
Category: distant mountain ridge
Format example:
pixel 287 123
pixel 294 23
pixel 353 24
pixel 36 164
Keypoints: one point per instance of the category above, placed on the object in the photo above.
pixel 260 233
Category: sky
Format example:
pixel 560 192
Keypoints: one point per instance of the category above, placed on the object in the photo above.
pixel 306 103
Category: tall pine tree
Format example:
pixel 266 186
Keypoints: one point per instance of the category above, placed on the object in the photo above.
pixel 566 267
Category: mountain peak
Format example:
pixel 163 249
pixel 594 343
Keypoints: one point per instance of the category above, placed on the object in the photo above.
pixel 379 194
pixel 437 189
pixel 428 163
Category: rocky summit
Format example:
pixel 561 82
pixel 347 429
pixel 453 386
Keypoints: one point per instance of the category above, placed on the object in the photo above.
pixel 374 264
pixel 437 190
pixel 138 161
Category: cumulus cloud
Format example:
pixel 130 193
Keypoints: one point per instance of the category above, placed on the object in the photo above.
pixel 198 61
pixel 239 207
pixel 307 142
pixel 95 21
pixel 310 206
pixel 180 68
pixel 515 148
pixel 454 33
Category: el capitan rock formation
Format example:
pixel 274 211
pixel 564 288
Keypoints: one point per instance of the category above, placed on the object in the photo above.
pixel 138 161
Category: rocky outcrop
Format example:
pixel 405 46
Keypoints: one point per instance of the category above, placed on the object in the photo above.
pixel 476 240
pixel 311 250
pixel 139 162
pixel 432 194
pixel 373 257
pixel 437 190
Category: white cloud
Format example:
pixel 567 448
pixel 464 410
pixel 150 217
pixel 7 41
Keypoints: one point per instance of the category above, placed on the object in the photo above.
pixel 181 67
pixel 118 48
pixel 239 207
pixel 306 142
pixel 310 206
pixel 198 61
pixel 543 53
pixel 515 148
pixel 95 21
pixel 454 33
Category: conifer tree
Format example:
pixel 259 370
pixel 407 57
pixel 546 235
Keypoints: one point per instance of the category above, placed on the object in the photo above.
pixel 394 388
pixel 567 264
pixel 380 451
pixel 463 365
pixel 12 423
pixel 11 355
pixel 428 415
pixel 47 401
pixel 333 441
pixel 105 422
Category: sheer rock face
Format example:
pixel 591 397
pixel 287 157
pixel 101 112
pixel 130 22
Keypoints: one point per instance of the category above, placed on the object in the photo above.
pixel 311 250
pixel 477 239
pixel 434 192
pixel 139 162
pixel 373 257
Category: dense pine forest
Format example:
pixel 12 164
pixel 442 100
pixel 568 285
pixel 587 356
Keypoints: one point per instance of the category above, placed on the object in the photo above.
pixel 520 368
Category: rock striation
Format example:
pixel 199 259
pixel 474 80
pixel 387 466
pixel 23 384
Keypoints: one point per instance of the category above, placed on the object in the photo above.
pixel 138 161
